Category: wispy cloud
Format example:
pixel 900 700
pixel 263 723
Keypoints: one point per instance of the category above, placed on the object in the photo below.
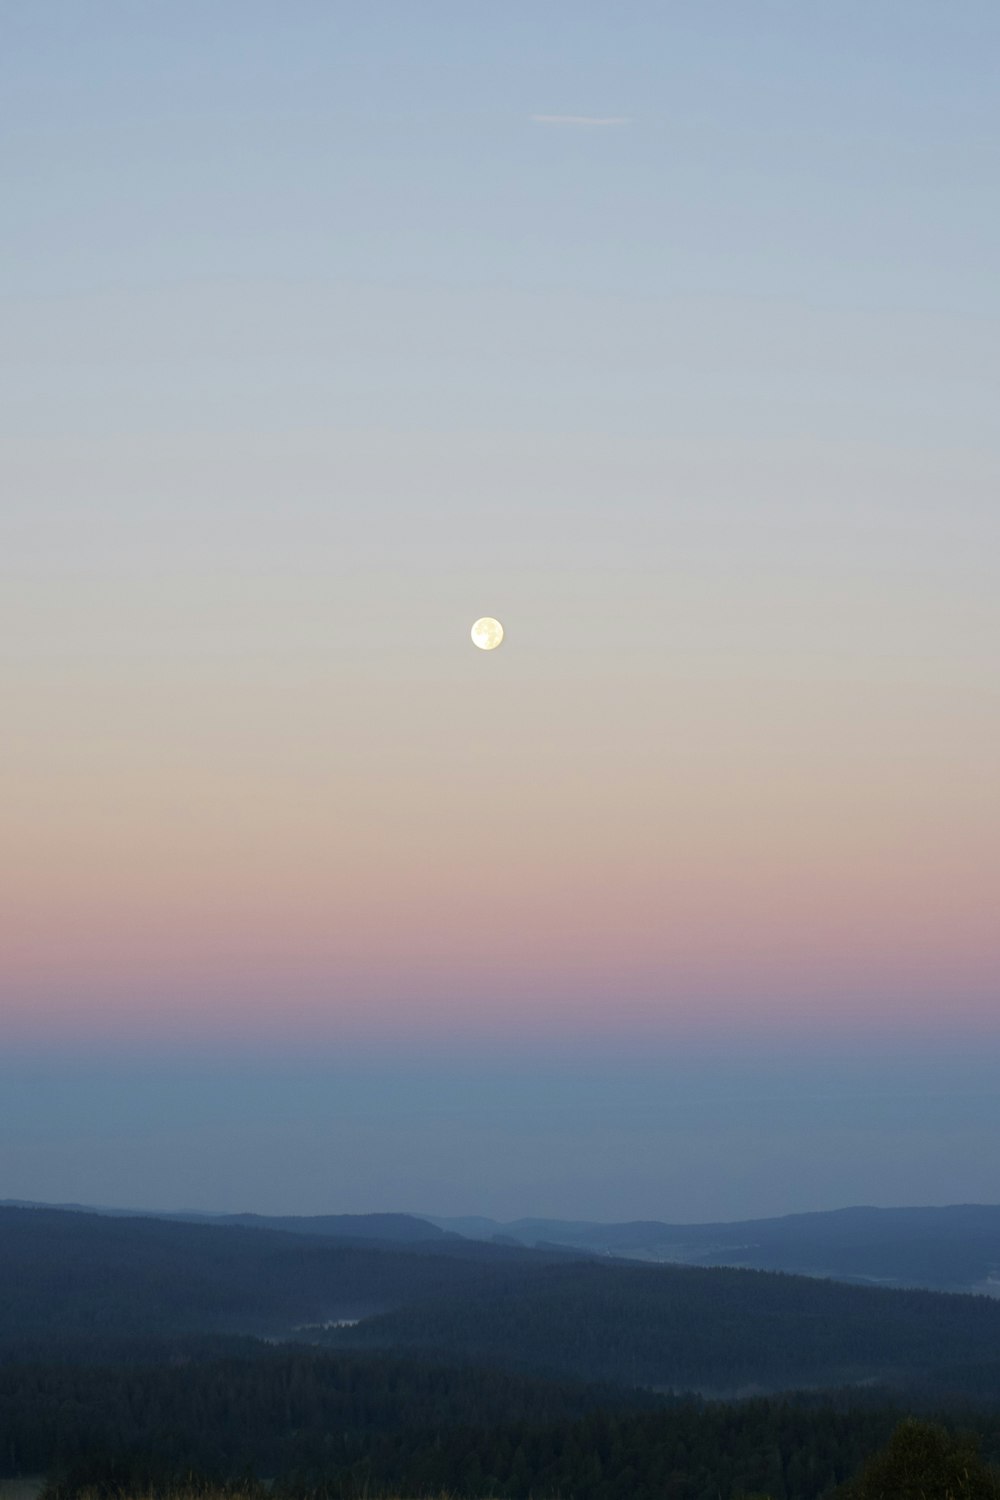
pixel 584 120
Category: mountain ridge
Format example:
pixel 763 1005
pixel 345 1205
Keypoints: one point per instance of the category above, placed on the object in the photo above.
pixel 954 1247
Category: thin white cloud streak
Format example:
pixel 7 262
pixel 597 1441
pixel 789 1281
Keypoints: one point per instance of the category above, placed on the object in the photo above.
pixel 584 120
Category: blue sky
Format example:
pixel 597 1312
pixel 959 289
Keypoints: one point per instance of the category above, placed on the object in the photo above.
pixel 695 1137
pixel 666 332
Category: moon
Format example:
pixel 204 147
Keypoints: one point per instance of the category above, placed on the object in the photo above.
pixel 487 633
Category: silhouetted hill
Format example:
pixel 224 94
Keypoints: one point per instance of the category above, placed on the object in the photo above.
pixel 86 1282
pixel 944 1249
pixel 382 1228
pixel 950 1249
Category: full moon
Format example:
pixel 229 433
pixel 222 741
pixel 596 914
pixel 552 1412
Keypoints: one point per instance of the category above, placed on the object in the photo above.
pixel 487 634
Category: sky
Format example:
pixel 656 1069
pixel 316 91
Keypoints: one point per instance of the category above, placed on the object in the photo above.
pixel 667 333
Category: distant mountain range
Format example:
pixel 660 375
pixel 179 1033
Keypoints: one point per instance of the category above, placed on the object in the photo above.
pixel 954 1249
pixel 94 1289
pixel 945 1249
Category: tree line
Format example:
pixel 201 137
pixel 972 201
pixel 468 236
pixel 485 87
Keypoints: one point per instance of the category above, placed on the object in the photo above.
pixel 322 1427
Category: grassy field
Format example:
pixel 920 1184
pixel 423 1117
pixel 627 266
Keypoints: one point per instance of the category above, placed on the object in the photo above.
pixel 21 1489
pixel 30 1487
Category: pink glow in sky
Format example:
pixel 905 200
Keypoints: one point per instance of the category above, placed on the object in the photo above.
pixel 394 833
pixel 317 347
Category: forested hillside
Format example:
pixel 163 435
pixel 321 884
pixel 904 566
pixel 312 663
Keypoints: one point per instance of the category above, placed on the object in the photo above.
pixel 82 1283
pixel 383 1229
pixel 87 1287
pixel 134 1351
pixel 326 1429
pixel 275 1410
pixel 719 1330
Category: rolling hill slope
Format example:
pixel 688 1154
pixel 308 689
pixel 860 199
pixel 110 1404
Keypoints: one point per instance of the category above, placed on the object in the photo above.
pixel 82 1286
pixel 955 1248
pixel 718 1331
